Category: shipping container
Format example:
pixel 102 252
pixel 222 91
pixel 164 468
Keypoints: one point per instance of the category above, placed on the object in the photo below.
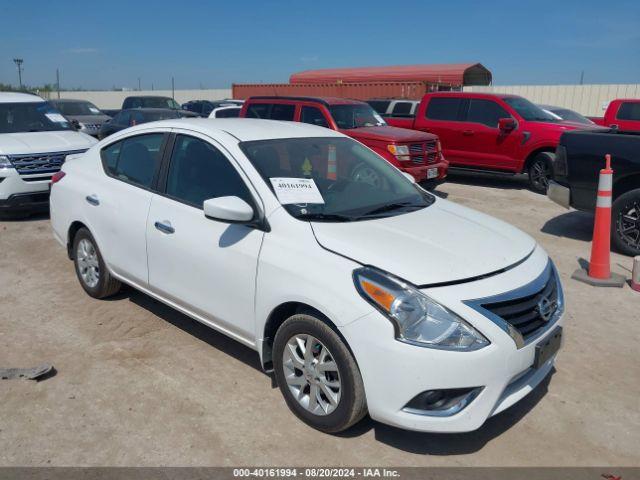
pixel 357 91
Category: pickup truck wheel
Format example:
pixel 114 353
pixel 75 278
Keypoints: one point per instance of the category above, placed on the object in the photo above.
pixel 626 223
pixel 317 374
pixel 540 172
pixel 90 268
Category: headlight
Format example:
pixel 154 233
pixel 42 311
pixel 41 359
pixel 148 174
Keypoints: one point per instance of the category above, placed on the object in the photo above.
pixel 400 151
pixel 4 162
pixel 417 319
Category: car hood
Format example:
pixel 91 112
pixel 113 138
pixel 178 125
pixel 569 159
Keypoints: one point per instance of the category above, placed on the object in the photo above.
pixel 389 134
pixel 442 243
pixel 43 142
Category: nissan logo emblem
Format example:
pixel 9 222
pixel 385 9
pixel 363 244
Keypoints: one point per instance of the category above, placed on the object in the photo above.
pixel 546 308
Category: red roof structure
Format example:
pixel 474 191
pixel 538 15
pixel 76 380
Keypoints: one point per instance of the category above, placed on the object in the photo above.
pixel 458 74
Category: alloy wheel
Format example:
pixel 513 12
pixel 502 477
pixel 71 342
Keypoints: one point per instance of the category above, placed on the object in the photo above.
pixel 540 174
pixel 311 374
pixel 628 224
pixel 88 264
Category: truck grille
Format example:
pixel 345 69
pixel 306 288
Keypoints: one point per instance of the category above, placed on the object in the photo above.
pixel 531 313
pixel 40 162
pixel 423 153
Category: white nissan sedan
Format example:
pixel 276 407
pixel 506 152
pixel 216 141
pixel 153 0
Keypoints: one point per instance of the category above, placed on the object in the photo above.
pixel 362 292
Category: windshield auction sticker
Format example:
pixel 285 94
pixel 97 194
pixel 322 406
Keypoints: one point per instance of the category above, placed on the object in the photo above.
pixel 56 117
pixel 296 190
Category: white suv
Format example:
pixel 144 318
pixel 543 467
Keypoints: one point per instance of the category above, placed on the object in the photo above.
pixel 34 142
pixel 361 297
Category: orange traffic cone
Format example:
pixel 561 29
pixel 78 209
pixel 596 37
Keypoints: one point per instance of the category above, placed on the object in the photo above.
pixel 599 272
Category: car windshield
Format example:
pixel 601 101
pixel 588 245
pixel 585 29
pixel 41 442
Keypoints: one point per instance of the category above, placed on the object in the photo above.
pixel 342 180
pixel 77 108
pixel 355 116
pixel 529 111
pixel 571 116
pixel 31 117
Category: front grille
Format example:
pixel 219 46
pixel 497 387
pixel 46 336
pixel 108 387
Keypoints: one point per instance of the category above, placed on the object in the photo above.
pixel 92 126
pixel 531 313
pixel 421 153
pixel 40 162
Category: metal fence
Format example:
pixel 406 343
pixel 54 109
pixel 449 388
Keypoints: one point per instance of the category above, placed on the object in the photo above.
pixel 589 100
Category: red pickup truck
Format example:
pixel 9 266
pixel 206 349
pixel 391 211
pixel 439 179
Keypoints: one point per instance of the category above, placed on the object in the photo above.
pixel 491 132
pixel 623 113
pixel 417 153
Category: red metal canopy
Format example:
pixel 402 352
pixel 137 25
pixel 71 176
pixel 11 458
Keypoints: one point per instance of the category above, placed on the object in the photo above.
pixel 448 74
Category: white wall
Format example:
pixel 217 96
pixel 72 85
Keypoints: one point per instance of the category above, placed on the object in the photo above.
pixel 111 99
pixel 589 100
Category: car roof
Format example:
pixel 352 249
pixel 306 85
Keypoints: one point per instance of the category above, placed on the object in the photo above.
pixel 17 97
pixel 325 100
pixel 244 129
pixel 148 110
pixel 147 96
pixel 68 100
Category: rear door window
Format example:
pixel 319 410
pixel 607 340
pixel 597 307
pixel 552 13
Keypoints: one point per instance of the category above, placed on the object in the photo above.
pixel 486 112
pixel 629 111
pixel 440 108
pixel 314 116
pixel 402 109
pixel 135 159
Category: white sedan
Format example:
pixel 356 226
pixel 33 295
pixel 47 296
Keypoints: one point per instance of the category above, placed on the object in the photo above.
pixel 361 298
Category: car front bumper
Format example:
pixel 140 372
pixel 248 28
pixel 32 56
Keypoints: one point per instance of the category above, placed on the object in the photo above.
pixel 394 372
pixel 420 173
pixel 23 192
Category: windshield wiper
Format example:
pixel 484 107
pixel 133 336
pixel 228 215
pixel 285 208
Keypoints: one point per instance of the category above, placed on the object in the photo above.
pixel 327 217
pixel 390 207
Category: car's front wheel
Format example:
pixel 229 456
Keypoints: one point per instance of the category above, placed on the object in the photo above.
pixel 541 172
pixel 626 223
pixel 317 374
pixel 90 268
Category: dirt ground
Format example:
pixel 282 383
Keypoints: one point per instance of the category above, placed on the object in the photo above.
pixel 138 383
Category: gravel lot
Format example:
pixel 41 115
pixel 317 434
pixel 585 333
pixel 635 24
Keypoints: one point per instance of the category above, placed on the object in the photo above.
pixel 138 383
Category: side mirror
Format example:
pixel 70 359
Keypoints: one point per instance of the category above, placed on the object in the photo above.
pixel 228 209
pixel 410 177
pixel 507 124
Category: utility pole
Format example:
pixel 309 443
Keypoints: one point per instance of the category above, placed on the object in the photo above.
pixel 139 89
pixel 18 62
pixel 582 77
pixel 173 89
pixel 58 82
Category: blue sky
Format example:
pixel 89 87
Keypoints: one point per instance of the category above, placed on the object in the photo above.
pixel 212 44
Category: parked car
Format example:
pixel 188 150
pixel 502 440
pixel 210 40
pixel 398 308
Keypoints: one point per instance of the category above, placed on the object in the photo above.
pixel 394 107
pixel 203 108
pixel 35 140
pixel 135 116
pixel 416 153
pixel 579 158
pixel 491 133
pixel 386 299
pixel 225 112
pixel 567 114
pixel 84 116
pixel 623 114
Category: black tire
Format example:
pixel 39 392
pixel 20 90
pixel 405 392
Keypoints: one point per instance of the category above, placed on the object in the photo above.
pixel 540 171
pixel 625 228
pixel 106 285
pixel 352 405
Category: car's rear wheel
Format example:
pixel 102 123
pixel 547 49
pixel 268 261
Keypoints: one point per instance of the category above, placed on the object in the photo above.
pixel 626 223
pixel 541 172
pixel 90 267
pixel 317 374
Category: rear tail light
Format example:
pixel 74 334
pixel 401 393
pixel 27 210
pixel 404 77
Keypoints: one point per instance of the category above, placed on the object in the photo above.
pixel 57 177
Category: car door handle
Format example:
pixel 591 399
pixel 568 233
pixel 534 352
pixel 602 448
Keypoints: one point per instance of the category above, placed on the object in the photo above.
pixel 468 133
pixel 165 226
pixel 93 200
